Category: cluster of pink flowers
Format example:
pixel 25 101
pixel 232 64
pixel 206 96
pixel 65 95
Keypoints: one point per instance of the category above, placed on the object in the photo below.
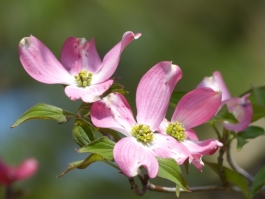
pixel 174 139
pixel 150 135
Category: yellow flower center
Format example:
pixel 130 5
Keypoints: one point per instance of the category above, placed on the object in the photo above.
pixel 176 130
pixel 143 133
pixel 83 78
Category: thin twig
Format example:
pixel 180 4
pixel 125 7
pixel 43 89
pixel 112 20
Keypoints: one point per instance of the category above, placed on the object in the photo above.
pixel 134 187
pixel 153 187
pixel 237 168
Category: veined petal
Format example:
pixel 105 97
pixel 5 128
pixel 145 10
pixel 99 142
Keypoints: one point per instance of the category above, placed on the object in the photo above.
pixel 201 148
pixel 196 107
pixel 112 58
pixel 78 54
pixel 113 112
pixel 206 147
pixel 241 108
pixel 88 94
pixel 217 83
pixel 154 92
pixel 191 134
pixel 26 169
pixel 41 64
pixel 166 146
pixel 130 155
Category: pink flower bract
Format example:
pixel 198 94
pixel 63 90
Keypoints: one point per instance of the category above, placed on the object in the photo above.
pixel 241 108
pixel 9 174
pixel 216 83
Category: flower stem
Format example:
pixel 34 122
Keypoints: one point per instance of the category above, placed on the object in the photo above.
pixel 220 159
pixel 111 164
pixel 235 167
pixel 216 131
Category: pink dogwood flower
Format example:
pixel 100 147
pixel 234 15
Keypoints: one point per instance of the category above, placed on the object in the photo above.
pixel 240 107
pixel 195 108
pixel 216 83
pixel 10 174
pixel 142 144
pixel 81 69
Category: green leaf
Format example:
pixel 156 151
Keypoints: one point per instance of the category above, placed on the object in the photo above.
pixel 232 177
pixel 186 166
pixel 257 96
pixel 102 146
pixel 224 115
pixel 259 181
pixel 249 133
pixel 83 132
pixel 169 169
pixel 177 191
pixel 84 109
pixel 258 112
pixel 175 97
pixel 240 143
pixel 82 164
pixel 116 88
pixel 113 133
pixel 45 111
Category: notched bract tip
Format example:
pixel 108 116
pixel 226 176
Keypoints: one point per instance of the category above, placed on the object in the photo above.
pixel 218 92
pixel 25 42
pixel 137 35
pixel 82 41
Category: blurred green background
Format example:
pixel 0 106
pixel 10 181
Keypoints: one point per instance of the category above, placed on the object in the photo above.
pixel 199 36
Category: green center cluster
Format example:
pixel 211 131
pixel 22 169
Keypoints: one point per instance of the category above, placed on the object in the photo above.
pixel 83 78
pixel 176 130
pixel 143 133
